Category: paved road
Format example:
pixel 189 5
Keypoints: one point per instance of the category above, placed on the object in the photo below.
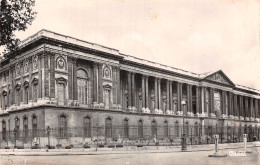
pixel 175 158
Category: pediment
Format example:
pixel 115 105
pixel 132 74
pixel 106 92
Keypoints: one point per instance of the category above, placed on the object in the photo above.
pixel 219 77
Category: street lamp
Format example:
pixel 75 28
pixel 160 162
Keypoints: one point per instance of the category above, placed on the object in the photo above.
pixel 184 145
pixel 48 132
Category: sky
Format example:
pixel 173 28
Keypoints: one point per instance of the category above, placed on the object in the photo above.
pixel 194 35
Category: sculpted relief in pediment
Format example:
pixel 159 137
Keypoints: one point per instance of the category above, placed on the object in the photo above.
pixel 218 78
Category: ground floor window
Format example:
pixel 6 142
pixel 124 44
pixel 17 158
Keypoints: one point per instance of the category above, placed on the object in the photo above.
pixel 108 129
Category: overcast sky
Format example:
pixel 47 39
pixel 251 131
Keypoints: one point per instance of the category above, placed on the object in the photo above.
pixel 194 35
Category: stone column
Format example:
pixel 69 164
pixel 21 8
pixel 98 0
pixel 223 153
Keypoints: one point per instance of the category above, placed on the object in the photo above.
pixel 95 83
pixel 159 94
pixel 118 87
pixel 235 106
pixel 30 79
pixel 133 91
pixel 241 114
pixel 40 76
pixel 211 102
pixel 251 108
pixel 167 96
pixel 143 91
pixel 52 76
pixel 188 99
pixel 223 103
pixel 190 88
pixel 46 76
pixel 180 108
pixel 198 109
pixel 155 94
pixel 170 99
pixel 246 108
pixel 74 80
pixel 206 106
pixel 147 91
pixel 256 108
pixel 129 90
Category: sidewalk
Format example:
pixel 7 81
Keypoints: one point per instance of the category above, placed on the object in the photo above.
pixel 124 150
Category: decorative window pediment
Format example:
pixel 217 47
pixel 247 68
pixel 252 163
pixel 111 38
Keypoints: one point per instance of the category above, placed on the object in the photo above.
pixel 61 80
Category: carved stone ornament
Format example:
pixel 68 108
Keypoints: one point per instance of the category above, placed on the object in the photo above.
pixel 60 63
pixel 4 93
pixel 107 72
pixel 18 69
pixel 218 78
pixel 35 62
pixel 26 67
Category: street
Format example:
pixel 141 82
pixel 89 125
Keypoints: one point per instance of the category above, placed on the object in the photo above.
pixel 172 158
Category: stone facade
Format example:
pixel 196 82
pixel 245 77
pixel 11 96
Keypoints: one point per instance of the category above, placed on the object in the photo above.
pixel 55 75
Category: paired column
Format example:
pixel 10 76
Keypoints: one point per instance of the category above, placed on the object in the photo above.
pixel 129 89
pixel 143 91
pixel 146 92
pixel 235 105
pixel 167 95
pixel 241 109
pixel 246 107
pixel 155 94
pixel 133 91
pixel 251 108
pixel 170 99
pixel 159 94
pixel 256 108
pixel 198 109
pixel 179 96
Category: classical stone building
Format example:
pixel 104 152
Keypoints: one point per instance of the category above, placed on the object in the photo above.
pixel 63 82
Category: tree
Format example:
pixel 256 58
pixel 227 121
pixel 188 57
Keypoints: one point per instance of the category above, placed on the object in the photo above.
pixel 15 15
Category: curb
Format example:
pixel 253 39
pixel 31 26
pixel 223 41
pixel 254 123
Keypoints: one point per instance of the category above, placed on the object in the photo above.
pixel 106 153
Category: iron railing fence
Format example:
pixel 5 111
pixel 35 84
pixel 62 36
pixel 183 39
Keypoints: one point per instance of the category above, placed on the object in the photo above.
pixel 126 135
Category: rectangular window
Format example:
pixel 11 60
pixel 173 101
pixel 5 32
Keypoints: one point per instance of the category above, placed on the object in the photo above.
pixel 35 92
pixel 61 93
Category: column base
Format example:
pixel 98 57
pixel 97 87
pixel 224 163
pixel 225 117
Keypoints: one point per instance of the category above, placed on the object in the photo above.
pixel 179 113
pixel 231 117
pixel 133 109
pixel 98 105
pixel 146 110
pixel 252 119
pixel 212 115
pixel 169 112
pixel 241 118
pixel 257 119
pixel 236 117
pixel 224 116
pixel 158 111
pixel 247 119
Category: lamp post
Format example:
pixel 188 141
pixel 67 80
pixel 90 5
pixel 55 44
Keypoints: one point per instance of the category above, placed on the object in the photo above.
pixel 184 145
pixel 48 132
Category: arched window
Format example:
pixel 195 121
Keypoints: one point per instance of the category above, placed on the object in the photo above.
pixel 126 128
pixel 82 83
pixel 154 128
pixel 25 127
pixel 87 126
pixel 176 129
pixel 140 129
pixel 17 127
pixel 34 126
pixel 63 126
pixel 165 126
pixel 108 128
pixel 4 130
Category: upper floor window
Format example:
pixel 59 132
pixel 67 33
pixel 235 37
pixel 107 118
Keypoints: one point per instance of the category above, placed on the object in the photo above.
pixel 61 90
pixel 35 89
pixel 4 100
pixel 26 92
pixel 82 82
